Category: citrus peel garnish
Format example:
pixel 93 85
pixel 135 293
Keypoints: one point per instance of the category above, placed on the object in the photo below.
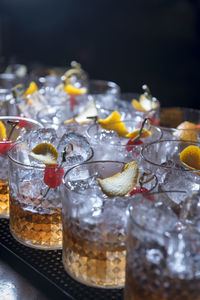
pixel 72 90
pixel 137 105
pixel 31 89
pixel 145 133
pixel 113 122
pixel 121 183
pixel 146 102
pixel 46 153
pixel 86 116
pixel 187 131
pixel 2 131
pixel 190 157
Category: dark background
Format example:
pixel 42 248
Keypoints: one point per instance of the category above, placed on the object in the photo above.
pixel 156 42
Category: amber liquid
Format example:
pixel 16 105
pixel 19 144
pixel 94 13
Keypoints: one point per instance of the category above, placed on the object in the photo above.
pixel 146 288
pixel 37 230
pixel 92 262
pixel 4 198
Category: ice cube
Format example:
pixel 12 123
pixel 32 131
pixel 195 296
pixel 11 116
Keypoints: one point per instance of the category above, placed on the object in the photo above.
pixel 43 135
pixel 81 149
pixel 156 218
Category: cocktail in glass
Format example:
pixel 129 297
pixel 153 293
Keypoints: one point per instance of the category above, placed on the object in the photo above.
pixel 35 201
pixel 12 130
pixel 108 145
pixel 105 93
pixel 162 252
pixel 163 158
pixel 172 117
pixel 94 226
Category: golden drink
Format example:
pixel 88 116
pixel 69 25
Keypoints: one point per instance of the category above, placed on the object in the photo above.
pixel 169 288
pixel 4 198
pixel 36 228
pixel 92 256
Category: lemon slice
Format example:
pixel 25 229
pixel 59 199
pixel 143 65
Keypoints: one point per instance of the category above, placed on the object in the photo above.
pixel 2 131
pixel 31 89
pixel 121 183
pixel 113 122
pixel 85 116
pixel 133 134
pixel 190 157
pixel 46 153
pixel 72 90
pixel 187 131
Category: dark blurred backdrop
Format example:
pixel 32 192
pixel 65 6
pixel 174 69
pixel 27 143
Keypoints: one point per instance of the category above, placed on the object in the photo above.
pixel 130 42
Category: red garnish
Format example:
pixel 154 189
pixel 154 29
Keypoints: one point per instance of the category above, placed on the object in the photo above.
pixel 53 176
pixel 5 145
pixel 131 143
pixel 198 126
pixel 138 190
pixel 141 190
pixel 73 102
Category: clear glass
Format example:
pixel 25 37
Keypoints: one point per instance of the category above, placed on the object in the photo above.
pixel 24 127
pixel 108 145
pixel 94 226
pixel 35 209
pixel 162 253
pixel 105 93
pixel 171 117
pixel 8 80
pixel 163 158
pixel 124 104
pixel 51 116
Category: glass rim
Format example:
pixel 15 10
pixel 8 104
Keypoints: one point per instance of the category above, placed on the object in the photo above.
pixel 145 228
pixel 20 163
pixel 167 167
pixel 191 110
pixel 87 163
pixel 21 118
pixel 109 85
pixel 106 161
pixel 159 130
pixel 36 167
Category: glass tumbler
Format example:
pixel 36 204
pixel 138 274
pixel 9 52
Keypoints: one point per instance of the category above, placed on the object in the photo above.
pixel 105 93
pixel 94 226
pixel 35 200
pixel 171 117
pixel 163 158
pixel 162 260
pixel 13 129
pixel 108 145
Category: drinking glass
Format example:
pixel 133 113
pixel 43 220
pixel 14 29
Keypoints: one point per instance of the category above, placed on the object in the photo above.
pixel 108 145
pixel 171 117
pixel 94 226
pixel 162 260
pixel 35 208
pixel 105 93
pixel 16 128
pixel 124 104
pixel 8 80
pixel 163 158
